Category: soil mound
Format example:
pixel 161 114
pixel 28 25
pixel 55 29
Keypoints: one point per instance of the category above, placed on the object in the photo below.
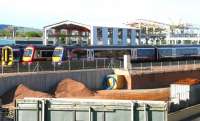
pixel 188 81
pixel 21 92
pixel 71 88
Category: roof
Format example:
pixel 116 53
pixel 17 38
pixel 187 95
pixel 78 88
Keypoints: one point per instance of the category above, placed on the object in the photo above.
pixel 7 42
pixel 88 26
pixel 67 22
pixel 111 25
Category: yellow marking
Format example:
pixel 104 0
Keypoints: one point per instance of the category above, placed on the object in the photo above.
pixel 26 58
pixel 7 59
pixel 56 59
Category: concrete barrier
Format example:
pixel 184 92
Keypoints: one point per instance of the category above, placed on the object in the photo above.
pixel 44 81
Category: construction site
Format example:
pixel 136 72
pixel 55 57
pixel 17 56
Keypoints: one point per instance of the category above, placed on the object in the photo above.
pixel 159 33
pixel 96 88
pixel 169 94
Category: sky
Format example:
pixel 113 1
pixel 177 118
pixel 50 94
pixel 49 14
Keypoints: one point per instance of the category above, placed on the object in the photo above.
pixel 39 13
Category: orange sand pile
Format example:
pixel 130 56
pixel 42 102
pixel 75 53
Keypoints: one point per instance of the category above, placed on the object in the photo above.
pixel 71 88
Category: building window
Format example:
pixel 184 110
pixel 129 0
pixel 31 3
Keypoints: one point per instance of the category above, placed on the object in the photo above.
pixel 99 36
pixel 110 36
pixel 129 36
pixel 120 31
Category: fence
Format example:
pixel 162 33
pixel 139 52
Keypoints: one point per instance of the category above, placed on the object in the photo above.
pixel 65 65
pixel 145 67
pixel 167 66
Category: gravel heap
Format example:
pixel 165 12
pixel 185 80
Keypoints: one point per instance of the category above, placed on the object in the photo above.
pixel 71 88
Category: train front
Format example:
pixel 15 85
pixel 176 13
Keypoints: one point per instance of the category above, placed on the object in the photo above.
pixel 11 54
pixel 58 55
pixel 28 54
pixel 7 56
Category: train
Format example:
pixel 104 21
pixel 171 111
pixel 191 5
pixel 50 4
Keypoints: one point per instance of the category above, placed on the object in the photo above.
pixel 59 54
pixel 11 54
pixel 34 53
pixel 137 53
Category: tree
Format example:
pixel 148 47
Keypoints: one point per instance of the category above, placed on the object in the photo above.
pixel 5 33
pixel 62 39
pixel 33 34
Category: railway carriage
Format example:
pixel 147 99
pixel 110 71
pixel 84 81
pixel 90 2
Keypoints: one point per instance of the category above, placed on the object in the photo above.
pixel 38 53
pixel 178 52
pixel 138 53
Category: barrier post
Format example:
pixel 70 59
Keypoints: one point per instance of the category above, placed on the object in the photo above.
pixel 186 64
pixel 29 67
pixel 127 62
pixel 178 64
pixel 54 66
pixel 69 65
pixel 194 65
pixel 96 64
pixel 120 64
pixel 1 68
pixel 104 63
pixel 83 64
pixel 38 66
pixel 17 67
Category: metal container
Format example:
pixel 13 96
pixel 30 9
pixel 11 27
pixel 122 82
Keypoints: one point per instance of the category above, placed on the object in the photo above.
pixel 29 110
pixel 183 94
pixel 90 110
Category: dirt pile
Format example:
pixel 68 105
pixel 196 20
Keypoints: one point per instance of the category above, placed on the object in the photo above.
pixel 188 81
pixel 71 88
pixel 161 94
pixel 21 92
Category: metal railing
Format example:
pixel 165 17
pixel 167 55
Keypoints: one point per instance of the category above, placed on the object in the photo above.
pixel 147 67
pixel 167 66
pixel 65 65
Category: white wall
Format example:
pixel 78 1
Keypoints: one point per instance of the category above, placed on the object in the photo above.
pixel 105 42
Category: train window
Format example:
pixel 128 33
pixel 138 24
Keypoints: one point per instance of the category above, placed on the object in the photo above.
pixel 186 51
pixel 57 52
pixel 9 53
pixel 102 54
pixel 120 53
pixel 80 54
pixel 145 52
pixel 111 53
pixel 28 53
pixel 164 52
pixel 46 53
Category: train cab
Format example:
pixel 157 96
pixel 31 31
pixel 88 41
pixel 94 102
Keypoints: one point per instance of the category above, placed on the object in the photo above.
pixel 11 54
pixel 62 53
pixel 38 53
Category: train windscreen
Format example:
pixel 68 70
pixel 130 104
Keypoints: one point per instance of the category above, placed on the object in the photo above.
pixel 28 53
pixel 57 53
